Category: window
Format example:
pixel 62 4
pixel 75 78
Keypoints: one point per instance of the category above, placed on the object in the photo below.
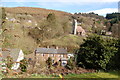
pixel 48 55
pixel 42 54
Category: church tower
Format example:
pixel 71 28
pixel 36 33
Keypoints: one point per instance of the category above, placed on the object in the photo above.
pixel 74 26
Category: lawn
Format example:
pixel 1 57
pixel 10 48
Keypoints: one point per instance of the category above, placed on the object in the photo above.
pixel 112 74
pixel 94 75
pixel 84 76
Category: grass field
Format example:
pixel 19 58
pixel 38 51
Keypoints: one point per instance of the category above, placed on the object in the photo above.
pixel 112 74
pixel 84 76
pixel 94 75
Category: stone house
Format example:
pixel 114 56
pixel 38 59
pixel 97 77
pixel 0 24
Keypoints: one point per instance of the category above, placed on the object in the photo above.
pixel 60 54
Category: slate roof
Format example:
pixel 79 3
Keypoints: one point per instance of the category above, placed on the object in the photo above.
pixel 51 50
pixel 14 53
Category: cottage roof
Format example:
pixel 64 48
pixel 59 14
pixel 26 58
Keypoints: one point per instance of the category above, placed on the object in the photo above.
pixel 51 50
pixel 5 54
pixel 14 53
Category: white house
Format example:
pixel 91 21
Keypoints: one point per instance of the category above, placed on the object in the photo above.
pixel 16 54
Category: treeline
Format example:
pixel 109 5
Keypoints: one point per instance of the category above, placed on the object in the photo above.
pixel 99 53
pixel 91 14
pixel 113 15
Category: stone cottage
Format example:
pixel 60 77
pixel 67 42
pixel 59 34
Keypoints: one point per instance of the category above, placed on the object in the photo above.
pixel 57 54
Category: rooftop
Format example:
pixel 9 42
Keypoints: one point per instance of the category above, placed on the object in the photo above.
pixel 51 50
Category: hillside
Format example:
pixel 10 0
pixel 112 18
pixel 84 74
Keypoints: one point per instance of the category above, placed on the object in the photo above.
pixel 28 28
pixel 19 22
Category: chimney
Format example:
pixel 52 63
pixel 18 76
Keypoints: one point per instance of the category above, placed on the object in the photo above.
pixel 56 47
pixel 48 46
pixel 66 48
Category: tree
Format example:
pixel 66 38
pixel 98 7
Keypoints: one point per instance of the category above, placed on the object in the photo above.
pixel 53 28
pixel 96 52
pixel 51 18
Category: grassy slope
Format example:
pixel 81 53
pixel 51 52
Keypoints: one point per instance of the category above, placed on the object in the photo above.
pixel 24 41
pixel 65 41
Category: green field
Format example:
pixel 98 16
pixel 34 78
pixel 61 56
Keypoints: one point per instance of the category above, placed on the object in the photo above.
pixel 94 75
pixel 84 76
pixel 112 74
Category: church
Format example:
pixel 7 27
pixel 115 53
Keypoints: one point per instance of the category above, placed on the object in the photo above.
pixel 78 30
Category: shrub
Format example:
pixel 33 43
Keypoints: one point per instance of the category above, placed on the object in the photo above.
pixel 71 63
pixel 23 65
pixel 49 62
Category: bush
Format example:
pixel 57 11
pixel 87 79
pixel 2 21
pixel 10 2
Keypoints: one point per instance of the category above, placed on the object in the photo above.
pixel 71 63
pixel 49 62
pixel 23 65
pixel 96 52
